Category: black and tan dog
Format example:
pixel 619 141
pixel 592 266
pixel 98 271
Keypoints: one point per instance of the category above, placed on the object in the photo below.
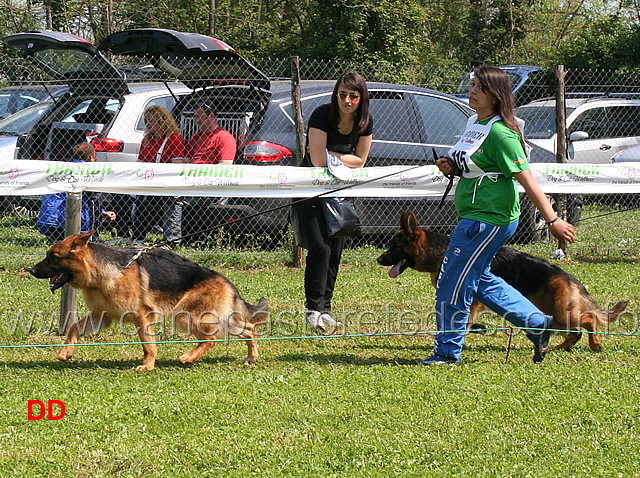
pixel 551 289
pixel 158 284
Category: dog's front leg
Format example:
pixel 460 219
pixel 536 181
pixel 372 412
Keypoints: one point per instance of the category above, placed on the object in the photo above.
pixel 73 333
pixel 147 337
pixel 90 324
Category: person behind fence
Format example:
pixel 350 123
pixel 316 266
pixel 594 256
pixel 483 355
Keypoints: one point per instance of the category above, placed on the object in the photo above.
pixel 212 144
pixel 343 129
pixel 161 143
pixel 491 159
pixel 51 218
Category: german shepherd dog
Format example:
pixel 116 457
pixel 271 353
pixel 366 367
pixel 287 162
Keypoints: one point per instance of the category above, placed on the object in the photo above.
pixel 158 284
pixel 554 291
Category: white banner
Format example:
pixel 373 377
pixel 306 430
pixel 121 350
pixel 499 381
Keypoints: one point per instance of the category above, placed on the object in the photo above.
pixel 27 177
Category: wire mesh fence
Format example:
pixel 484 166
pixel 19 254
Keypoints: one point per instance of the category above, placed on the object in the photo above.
pixel 418 114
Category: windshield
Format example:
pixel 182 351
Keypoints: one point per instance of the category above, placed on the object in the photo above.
pixel 539 121
pixel 22 121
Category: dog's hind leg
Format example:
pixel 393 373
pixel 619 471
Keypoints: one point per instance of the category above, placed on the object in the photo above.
pixel 589 321
pixel 570 339
pixel 249 333
pixel 202 329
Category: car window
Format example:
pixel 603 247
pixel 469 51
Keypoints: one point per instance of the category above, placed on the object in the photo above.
pixel 25 101
pixel 310 104
pixel 391 120
pixel 22 121
pixel 624 121
pixel 593 122
pixel 96 110
pixel 4 104
pixel 167 101
pixel 443 121
pixel 539 122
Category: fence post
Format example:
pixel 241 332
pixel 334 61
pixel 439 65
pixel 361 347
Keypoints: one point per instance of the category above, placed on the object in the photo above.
pixel 561 142
pixel 296 106
pixel 69 296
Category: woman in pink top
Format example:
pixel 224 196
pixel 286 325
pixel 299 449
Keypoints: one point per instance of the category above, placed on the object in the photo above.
pixel 162 143
pixel 162 139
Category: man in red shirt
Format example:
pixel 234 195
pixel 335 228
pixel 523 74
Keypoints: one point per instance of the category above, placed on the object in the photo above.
pixel 212 144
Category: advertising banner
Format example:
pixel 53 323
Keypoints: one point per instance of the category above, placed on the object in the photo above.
pixel 24 177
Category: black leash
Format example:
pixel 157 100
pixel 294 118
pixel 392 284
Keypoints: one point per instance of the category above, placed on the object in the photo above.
pixel 455 171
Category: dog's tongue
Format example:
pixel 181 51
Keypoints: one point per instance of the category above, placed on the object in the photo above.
pixel 396 270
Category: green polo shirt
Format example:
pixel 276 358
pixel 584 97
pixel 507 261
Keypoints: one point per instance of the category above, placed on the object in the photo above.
pixel 496 201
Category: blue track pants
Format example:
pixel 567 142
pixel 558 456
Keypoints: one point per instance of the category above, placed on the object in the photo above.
pixel 465 275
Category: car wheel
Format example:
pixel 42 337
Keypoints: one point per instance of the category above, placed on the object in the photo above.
pixel 532 226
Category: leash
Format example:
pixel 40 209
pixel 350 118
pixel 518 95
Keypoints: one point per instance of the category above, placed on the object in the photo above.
pixel 146 249
pixel 455 171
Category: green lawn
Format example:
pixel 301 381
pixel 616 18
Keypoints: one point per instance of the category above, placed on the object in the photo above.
pixel 341 406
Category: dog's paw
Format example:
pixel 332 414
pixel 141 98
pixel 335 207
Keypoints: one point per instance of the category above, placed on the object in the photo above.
pixel 65 353
pixel 144 367
pixel 250 360
pixel 186 359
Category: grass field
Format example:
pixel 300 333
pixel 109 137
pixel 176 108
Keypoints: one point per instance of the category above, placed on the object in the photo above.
pixel 354 406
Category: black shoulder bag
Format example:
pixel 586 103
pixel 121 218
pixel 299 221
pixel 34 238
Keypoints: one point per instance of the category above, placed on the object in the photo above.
pixel 340 213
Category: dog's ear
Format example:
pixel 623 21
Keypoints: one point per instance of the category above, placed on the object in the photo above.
pixel 81 240
pixel 403 220
pixel 412 224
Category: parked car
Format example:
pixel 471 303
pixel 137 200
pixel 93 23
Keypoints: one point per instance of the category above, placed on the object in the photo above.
pixel 101 103
pixel 18 97
pixel 523 83
pixel 14 126
pixel 598 126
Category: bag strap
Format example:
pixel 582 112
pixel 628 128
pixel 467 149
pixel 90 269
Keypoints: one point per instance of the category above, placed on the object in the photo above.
pixel 354 138
pixel 161 149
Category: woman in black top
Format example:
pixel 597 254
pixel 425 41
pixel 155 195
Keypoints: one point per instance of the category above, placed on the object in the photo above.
pixel 343 129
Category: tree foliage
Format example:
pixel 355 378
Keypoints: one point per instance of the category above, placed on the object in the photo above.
pixel 382 33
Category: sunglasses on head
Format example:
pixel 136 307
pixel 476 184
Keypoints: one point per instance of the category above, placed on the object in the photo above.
pixel 354 97
pixel 205 106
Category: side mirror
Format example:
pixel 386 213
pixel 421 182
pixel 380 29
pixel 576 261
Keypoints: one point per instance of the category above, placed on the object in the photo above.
pixel 578 136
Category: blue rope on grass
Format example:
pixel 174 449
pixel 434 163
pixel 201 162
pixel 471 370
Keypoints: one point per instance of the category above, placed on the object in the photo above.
pixel 301 337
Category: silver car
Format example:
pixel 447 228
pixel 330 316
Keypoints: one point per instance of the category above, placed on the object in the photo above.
pixel 598 126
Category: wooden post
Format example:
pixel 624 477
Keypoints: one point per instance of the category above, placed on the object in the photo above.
pixel 296 107
pixel 69 297
pixel 561 143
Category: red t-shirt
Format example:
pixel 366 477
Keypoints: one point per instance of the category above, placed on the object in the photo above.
pixel 173 149
pixel 212 148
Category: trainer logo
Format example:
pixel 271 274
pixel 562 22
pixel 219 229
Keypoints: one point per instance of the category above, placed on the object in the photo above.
pixel 632 173
pixel 14 173
pixel 54 409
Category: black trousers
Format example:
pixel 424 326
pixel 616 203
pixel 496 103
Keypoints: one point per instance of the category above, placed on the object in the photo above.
pixel 323 256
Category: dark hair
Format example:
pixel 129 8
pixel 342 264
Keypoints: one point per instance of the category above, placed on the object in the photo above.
pixel 495 81
pixel 351 81
pixel 208 106
pixel 83 151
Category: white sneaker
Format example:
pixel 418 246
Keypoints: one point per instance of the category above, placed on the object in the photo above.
pixel 315 321
pixel 330 323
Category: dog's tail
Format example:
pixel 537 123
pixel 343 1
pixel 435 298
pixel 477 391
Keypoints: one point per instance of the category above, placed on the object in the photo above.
pixel 258 313
pixel 605 317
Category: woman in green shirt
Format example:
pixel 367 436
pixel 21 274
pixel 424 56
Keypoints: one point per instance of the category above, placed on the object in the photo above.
pixel 490 158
